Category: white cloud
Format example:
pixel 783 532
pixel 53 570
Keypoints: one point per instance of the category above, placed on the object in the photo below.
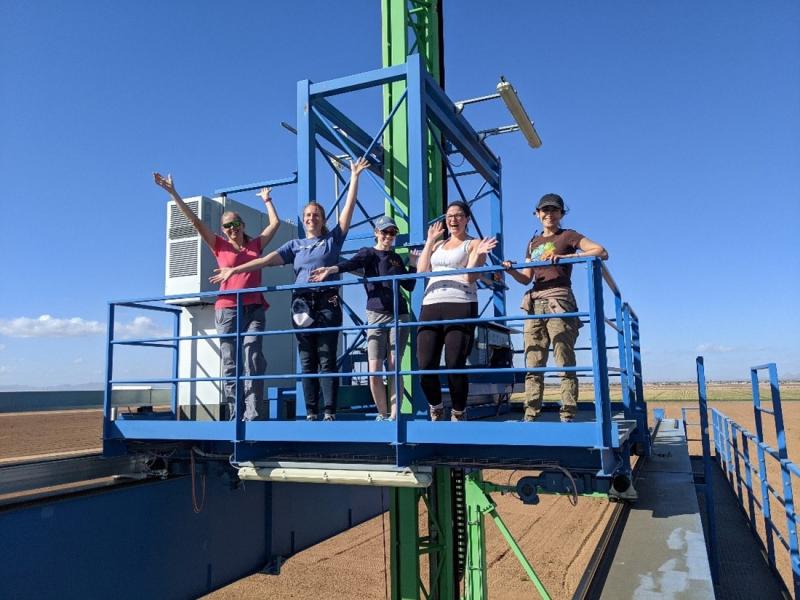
pixel 715 349
pixel 4 369
pixel 47 326
pixel 77 361
pixel 141 327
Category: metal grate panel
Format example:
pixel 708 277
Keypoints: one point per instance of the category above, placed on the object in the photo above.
pixel 179 225
pixel 183 258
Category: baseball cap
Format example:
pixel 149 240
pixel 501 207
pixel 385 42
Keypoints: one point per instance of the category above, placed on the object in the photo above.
pixel 551 200
pixel 384 223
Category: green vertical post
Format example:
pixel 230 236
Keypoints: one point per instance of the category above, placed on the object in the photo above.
pixel 441 525
pixel 404 551
pixel 409 27
pixel 414 27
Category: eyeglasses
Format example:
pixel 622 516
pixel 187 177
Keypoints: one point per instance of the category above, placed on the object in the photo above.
pixel 388 232
pixel 234 224
pixel 456 216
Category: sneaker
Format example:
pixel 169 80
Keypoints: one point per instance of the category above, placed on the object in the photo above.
pixel 458 415
pixel 567 418
pixel 437 413
pixel 529 418
pixel 381 417
pixel 311 417
pixel 329 417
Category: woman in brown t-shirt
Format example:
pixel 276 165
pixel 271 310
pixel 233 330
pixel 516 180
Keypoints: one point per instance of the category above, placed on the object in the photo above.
pixel 551 293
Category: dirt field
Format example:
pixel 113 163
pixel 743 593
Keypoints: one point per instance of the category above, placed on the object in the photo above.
pixel 27 436
pixel 557 538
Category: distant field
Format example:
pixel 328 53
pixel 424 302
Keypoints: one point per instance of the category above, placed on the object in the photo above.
pixel 681 392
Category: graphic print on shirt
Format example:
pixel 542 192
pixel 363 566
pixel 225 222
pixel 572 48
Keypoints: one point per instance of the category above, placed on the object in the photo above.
pixel 543 252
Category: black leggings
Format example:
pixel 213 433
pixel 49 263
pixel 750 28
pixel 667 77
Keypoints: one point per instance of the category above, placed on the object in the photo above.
pixel 457 342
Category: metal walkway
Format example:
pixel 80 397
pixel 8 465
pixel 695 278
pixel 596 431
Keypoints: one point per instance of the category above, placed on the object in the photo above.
pixel 661 552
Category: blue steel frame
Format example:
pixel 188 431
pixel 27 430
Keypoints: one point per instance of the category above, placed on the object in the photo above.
pixel 428 109
pixel 739 468
pixel 601 447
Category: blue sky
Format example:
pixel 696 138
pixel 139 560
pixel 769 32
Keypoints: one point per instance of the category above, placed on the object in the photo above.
pixel 672 130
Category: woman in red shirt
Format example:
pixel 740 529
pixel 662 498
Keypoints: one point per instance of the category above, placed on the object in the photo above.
pixel 231 249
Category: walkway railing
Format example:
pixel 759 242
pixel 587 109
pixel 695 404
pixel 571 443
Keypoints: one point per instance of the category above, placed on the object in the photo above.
pixel 602 433
pixel 750 477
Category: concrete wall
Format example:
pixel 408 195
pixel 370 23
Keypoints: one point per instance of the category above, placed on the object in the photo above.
pixel 73 399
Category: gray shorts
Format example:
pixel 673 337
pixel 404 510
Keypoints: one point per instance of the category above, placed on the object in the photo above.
pixel 379 340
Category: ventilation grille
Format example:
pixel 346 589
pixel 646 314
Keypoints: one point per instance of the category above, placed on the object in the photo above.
pixel 179 225
pixel 183 257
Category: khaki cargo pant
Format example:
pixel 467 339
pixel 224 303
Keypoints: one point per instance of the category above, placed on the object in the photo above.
pixel 539 334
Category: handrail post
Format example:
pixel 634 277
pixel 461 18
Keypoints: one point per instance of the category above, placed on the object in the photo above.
pixel 707 470
pixel 638 381
pixel 400 423
pixel 602 405
pixel 748 478
pixel 766 510
pixel 623 341
pixel 176 332
pixel 786 476
pixel 109 448
pixel 237 410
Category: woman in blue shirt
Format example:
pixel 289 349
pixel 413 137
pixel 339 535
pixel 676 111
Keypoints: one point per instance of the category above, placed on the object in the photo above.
pixel 319 248
pixel 378 261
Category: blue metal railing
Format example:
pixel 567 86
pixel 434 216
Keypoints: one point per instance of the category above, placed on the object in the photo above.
pixel 624 325
pixel 732 445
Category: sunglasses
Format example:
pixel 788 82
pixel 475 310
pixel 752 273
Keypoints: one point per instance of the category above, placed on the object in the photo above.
pixel 388 232
pixel 549 209
pixel 235 224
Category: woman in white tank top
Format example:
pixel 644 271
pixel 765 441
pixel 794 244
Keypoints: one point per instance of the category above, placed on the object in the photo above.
pixel 449 297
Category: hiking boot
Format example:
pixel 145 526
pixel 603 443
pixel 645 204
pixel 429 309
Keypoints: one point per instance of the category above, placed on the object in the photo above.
pixel 437 413
pixel 458 415
pixel 329 417
pixel 311 417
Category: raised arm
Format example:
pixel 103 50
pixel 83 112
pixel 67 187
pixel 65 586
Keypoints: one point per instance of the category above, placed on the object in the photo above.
pixel 202 228
pixel 435 231
pixel 273 259
pixel 274 223
pixel 479 249
pixel 346 216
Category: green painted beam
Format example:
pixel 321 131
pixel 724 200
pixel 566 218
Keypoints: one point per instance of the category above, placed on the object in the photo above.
pixel 404 555
pixel 480 504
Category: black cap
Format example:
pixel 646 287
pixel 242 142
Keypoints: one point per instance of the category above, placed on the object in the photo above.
pixel 551 200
